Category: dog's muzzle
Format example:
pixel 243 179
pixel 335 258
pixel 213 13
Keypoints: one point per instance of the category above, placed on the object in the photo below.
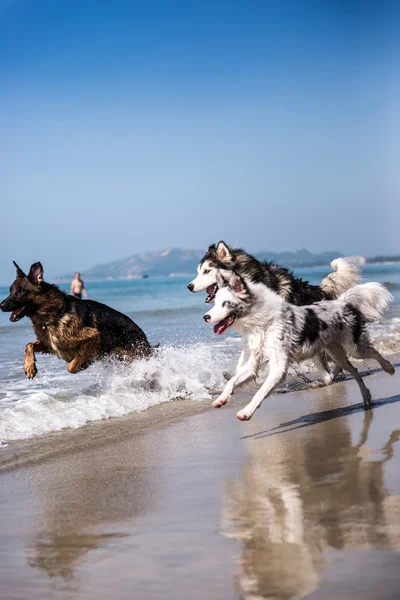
pixel 190 287
pixel 4 306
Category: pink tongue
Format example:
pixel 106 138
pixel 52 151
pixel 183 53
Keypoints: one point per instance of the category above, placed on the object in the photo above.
pixel 221 326
pixel 210 289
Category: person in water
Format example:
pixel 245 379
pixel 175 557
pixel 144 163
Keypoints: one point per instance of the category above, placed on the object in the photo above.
pixel 78 287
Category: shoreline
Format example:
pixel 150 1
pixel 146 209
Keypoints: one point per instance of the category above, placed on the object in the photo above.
pixel 184 501
pixel 22 452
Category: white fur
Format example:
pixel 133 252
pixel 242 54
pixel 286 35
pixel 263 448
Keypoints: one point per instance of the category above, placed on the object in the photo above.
pixel 273 331
pixel 345 275
pixel 372 299
pixel 207 275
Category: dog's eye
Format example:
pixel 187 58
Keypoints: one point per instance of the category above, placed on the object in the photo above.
pixel 206 271
pixel 226 304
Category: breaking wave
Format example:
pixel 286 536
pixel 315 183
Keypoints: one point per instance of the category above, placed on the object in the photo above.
pixel 56 400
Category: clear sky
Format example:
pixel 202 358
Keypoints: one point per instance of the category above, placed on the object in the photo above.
pixel 127 127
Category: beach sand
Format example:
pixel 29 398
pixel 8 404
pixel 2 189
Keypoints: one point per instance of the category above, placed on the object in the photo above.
pixel 186 502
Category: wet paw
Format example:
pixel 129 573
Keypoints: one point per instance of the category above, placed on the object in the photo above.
pixel 367 398
pixel 219 402
pixel 315 385
pixel 242 415
pixel 390 369
pixel 30 369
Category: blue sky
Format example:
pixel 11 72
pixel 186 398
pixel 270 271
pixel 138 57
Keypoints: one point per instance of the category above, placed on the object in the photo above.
pixel 128 127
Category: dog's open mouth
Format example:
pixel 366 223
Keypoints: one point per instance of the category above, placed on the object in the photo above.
pixel 223 325
pixel 211 291
pixel 18 314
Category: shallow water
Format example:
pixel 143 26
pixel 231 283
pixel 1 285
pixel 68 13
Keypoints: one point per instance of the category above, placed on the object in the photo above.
pixel 190 364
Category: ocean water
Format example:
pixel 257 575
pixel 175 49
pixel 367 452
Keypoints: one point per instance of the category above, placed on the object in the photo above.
pixel 190 363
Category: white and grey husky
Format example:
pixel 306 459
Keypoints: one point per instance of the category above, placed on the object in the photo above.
pixel 278 279
pixel 277 332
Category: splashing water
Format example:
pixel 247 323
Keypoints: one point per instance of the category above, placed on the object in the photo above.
pixel 170 315
pixel 110 389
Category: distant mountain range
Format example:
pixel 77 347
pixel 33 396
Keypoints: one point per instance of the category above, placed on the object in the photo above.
pixel 175 262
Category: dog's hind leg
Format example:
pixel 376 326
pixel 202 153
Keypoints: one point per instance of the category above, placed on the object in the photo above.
pixel 30 358
pixel 330 375
pixel 300 374
pixel 368 351
pixel 338 354
pixel 88 351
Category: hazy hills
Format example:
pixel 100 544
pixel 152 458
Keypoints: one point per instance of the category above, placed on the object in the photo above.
pixel 180 261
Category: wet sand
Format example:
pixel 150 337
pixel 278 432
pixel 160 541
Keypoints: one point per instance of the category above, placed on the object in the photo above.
pixel 186 502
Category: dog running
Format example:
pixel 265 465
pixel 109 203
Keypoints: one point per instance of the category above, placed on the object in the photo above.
pixel 277 332
pixel 278 279
pixel 77 331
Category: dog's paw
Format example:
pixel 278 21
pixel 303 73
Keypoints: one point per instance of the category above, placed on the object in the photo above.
pixel 220 401
pixel 390 369
pixel 367 398
pixel 315 385
pixel 244 415
pixel 30 369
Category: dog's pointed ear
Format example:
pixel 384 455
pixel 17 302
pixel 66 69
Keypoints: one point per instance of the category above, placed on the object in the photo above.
pixel 237 284
pixel 211 248
pixel 223 252
pixel 36 273
pixel 20 272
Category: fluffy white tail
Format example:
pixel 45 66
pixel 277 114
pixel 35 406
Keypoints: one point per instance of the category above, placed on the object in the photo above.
pixel 345 275
pixel 371 299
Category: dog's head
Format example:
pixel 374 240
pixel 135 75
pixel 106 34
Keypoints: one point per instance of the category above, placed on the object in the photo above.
pixel 22 301
pixel 233 301
pixel 216 258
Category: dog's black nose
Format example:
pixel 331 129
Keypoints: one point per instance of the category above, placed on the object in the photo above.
pixel 2 306
pixel 207 318
pixel 190 287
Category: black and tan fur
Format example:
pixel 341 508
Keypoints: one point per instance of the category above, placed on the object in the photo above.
pixel 77 331
pixel 280 279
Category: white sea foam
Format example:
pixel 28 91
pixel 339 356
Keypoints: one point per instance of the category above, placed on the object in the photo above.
pixel 56 400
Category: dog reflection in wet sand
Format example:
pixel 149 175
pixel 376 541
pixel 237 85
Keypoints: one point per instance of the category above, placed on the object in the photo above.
pixel 301 496
pixel 83 500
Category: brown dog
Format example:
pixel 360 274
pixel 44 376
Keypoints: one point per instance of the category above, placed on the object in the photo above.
pixel 78 331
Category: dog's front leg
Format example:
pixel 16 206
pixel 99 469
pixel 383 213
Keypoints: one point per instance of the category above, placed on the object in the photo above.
pixel 241 362
pixel 277 372
pixel 30 358
pixel 247 371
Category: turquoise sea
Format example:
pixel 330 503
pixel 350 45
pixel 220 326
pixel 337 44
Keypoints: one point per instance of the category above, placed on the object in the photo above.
pixel 190 364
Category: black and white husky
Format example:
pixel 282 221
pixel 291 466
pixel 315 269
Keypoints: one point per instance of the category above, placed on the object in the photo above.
pixel 277 332
pixel 279 279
